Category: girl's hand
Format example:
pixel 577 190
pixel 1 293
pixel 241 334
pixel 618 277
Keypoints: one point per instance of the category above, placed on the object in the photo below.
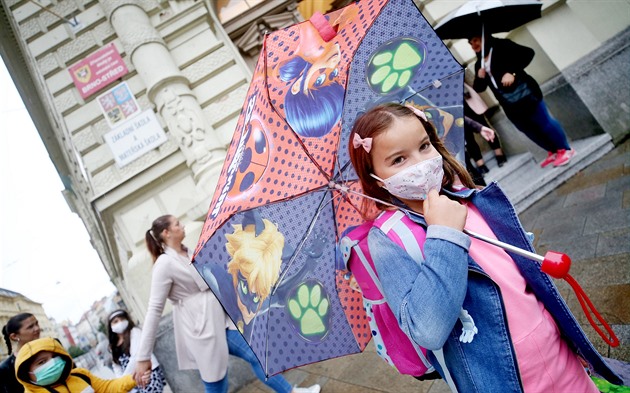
pixel 481 73
pixel 487 133
pixel 440 210
pixel 142 367
pixel 507 79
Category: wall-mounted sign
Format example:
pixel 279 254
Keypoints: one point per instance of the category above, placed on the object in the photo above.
pixel 135 137
pixel 98 70
pixel 118 104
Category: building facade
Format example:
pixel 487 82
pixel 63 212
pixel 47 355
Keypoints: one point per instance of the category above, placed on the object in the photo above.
pixel 13 303
pixel 187 64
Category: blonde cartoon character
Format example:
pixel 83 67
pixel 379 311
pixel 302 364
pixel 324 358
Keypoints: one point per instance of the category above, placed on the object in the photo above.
pixel 255 265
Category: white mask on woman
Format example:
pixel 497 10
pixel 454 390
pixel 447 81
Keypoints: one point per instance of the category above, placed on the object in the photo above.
pixel 416 181
pixel 120 327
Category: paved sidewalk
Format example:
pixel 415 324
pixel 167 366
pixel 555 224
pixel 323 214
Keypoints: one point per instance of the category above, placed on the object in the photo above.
pixel 588 217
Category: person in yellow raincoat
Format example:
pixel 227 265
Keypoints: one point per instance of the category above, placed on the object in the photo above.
pixel 43 365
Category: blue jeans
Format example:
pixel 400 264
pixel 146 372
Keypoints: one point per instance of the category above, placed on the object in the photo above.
pixel 218 386
pixel 540 127
pixel 239 348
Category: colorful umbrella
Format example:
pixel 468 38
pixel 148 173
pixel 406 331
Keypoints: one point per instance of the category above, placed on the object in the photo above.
pixel 267 248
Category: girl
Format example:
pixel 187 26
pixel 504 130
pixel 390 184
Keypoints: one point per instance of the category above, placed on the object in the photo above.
pixel 124 340
pixel 201 339
pixel 520 335
pixel 20 329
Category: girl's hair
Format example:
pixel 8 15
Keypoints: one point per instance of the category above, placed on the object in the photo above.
pixel 153 237
pixel 375 122
pixel 13 326
pixel 119 350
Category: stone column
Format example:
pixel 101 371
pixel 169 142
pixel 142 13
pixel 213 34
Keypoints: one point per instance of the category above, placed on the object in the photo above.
pixel 169 90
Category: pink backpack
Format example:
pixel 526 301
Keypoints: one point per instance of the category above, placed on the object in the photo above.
pixel 391 343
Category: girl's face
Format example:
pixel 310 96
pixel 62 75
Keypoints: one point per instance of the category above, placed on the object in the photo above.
pixel 324 70
pixel 28 332
pixel 404 144
pixel 176 230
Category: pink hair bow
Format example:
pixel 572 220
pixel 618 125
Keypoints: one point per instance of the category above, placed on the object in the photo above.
pixel 358 141
pixel 417 112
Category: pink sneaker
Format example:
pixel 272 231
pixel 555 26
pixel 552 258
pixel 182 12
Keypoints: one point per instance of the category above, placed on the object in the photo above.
pixel 563 157
pixel 551 157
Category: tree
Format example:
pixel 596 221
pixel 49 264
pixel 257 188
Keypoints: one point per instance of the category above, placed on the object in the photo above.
pixel 75 351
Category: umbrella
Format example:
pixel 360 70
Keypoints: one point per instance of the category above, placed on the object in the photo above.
pixel 478 17
pixel 287 189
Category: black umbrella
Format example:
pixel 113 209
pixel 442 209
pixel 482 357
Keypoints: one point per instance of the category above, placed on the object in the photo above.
pixel 479 17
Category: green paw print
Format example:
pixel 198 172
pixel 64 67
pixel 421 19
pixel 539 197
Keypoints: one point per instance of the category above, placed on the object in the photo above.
pixel 394 64
pixel 607 387
pixel 309 308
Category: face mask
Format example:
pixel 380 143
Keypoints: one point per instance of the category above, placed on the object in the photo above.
pixel 120 327
pixel 49 372
pixel 416 181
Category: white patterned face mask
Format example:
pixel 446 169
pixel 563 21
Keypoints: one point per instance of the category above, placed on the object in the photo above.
pixel 416 181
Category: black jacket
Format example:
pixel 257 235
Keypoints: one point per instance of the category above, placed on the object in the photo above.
pixel 8 382
pixel 507 57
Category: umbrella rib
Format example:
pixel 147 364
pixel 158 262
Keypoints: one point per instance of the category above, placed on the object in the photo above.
pixel 301 244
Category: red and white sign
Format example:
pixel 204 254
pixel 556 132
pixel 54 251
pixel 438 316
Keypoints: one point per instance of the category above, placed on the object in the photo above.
pixel 98 70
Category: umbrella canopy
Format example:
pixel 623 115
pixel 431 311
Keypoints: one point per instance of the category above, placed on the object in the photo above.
pixel 496 16
pixel 268 245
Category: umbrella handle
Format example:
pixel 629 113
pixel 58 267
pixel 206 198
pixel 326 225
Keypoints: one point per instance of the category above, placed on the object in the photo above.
pixel 557 265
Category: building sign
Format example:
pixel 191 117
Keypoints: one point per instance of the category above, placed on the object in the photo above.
pixel 135 137
pixel 98 70
pixel 118 104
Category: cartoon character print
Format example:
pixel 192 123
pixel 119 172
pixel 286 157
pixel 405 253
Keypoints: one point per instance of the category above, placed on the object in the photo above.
pixel 257 249
pixel 312 72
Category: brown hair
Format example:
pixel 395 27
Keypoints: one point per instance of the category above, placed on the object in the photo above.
pixel 153 237
pixel 377 121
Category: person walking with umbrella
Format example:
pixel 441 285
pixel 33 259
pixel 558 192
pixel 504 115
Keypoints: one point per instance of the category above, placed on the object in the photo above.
pixel 503 70
pixel 511 308
pixel 201 339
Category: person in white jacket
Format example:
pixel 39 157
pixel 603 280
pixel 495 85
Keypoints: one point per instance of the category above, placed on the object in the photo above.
pixel 124 341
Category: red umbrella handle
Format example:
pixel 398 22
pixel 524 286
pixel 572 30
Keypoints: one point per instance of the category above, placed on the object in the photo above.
pixel 557 265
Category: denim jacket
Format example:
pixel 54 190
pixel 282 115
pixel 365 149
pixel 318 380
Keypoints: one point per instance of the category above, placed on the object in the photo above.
pixel 427 298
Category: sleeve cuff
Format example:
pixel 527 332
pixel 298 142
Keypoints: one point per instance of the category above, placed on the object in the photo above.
pixel 449 234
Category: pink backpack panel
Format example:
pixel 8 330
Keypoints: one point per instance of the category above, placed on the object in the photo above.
pixel 391 343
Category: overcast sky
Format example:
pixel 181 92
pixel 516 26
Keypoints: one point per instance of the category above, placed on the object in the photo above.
pixel 45 251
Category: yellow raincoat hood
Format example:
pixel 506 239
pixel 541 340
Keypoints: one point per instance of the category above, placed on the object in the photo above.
pixel 31 349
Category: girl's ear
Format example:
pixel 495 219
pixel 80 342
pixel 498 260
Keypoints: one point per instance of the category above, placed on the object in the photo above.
pixel 14 337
